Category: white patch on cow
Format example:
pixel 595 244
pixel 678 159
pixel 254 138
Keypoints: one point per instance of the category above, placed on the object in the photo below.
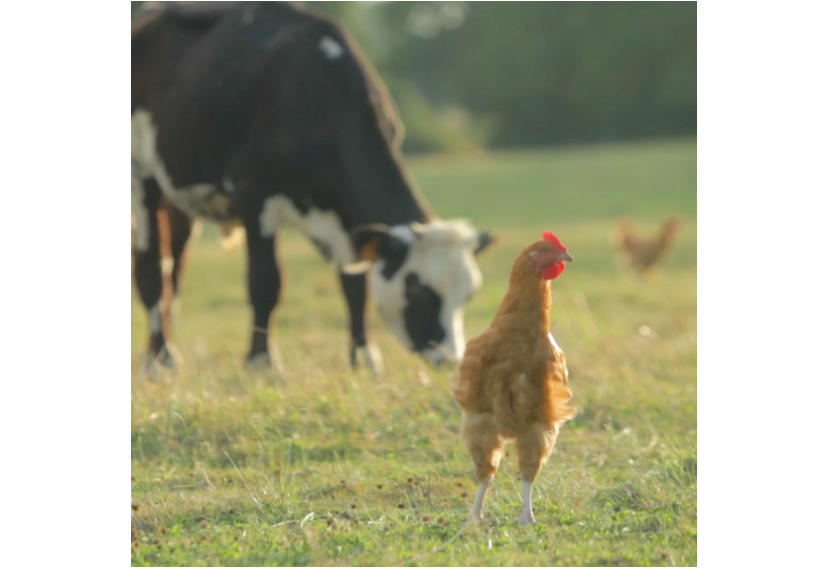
pixel 146 161
pixel 195 200
pixel 319 225
pixel 441 255
pixel 331 48
pixel 390 300
pixel 141 217
pixel 167 264
pixel 404 233
pixel 271 216
pixel 143 148
pixel 227 184
pixel 154 318
pixel 371 358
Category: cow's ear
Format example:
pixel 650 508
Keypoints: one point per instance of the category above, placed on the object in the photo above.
pixel 370 241
pixel 374 242
pixel 485 239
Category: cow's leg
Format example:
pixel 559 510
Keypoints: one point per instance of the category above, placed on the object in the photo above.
pixel 354 289
pixel 178 231
pixel 264 283
pixel 148 275
pixel 180 226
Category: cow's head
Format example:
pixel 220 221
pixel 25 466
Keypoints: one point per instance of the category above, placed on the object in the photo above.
pixel 421 277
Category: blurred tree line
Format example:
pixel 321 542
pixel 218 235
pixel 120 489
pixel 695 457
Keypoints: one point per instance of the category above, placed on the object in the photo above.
pixel 467 75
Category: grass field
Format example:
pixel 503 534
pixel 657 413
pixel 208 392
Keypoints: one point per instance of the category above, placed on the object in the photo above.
pixel 325 466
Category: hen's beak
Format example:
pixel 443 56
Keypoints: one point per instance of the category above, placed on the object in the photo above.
pixel 565 256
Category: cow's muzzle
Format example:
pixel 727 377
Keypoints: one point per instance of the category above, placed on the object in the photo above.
pixel 439 355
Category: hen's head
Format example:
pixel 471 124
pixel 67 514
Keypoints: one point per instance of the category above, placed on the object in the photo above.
pixel 548 257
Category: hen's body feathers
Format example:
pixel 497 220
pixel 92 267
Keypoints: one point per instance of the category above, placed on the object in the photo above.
pixel 513 383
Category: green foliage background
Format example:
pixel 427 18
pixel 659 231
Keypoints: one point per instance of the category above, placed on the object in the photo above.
pixel 515 74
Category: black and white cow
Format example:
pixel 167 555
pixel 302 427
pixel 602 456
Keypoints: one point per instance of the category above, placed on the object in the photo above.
pixel 266 114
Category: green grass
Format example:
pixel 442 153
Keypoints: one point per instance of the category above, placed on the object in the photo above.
pixel 325 466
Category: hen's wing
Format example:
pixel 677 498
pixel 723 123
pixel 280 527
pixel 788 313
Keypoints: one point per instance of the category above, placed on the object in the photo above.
pixel 556 393
pixel 467 388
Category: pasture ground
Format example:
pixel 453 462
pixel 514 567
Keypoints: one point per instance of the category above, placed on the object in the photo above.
pixel 325 466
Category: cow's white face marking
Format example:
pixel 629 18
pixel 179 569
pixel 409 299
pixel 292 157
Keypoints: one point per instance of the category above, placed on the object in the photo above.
pixel 441 256
pixel 331 48
pixel 322 226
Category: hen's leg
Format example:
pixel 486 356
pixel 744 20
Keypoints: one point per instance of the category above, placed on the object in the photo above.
pixel 526 517
pixel 533 447
pixel 482 439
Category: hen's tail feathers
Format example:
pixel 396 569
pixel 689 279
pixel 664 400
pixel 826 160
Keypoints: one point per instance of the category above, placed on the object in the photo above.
pixel 672 227
pixel 561 410
pixel 555 408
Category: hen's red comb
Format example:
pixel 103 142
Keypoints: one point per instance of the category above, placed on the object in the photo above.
pixel 549 237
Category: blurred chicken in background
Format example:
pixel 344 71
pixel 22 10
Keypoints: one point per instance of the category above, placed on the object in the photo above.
pixel 643 253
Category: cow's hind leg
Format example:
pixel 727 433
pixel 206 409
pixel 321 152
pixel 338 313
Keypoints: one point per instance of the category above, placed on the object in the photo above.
pixel 354 289
pixel 148 273
pixel 264 283
pixel 174 230
pixel 180 227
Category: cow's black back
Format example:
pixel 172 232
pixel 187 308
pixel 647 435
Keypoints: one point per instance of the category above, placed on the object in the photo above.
pixel 245 94
pixel 270 114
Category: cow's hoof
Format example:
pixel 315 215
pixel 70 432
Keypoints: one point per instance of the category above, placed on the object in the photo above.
pixel 267 361
pixel 369 356
pixel 257 362
pixel 169 357
pixel 154 366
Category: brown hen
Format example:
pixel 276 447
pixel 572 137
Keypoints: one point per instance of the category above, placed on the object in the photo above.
pixel 643 253
pixel 513 382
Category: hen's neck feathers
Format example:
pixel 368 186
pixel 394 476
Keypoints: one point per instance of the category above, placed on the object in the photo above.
pixel 527 301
